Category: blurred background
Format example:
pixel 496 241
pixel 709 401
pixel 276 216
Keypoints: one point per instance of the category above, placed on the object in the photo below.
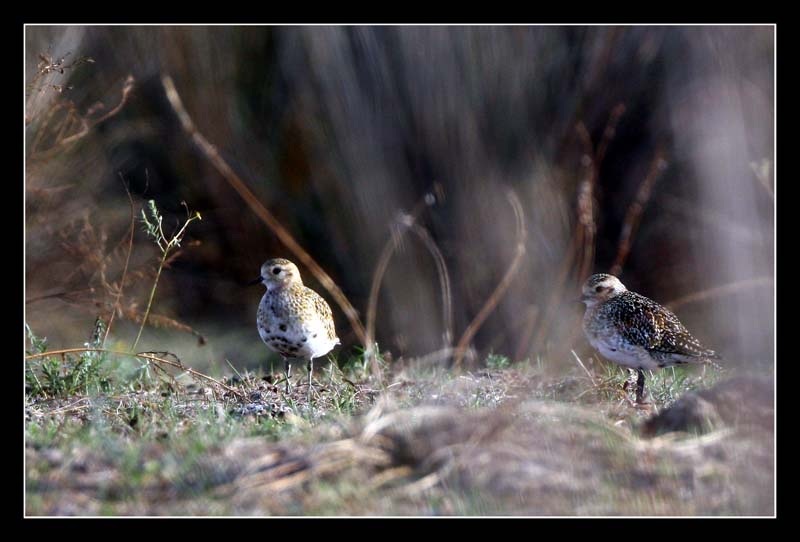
pixel 644 151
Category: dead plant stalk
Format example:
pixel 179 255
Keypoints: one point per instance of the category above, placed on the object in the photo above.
pixel 502 286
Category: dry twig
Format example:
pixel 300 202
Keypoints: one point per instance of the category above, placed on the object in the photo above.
pixel 389 248
pixel 85 122
pixel 720 290
pixel 635 210
pixel 502 287
pixel 115 308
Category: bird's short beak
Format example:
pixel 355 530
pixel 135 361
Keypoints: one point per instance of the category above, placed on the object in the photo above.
pixel 256 281
pixel 580 299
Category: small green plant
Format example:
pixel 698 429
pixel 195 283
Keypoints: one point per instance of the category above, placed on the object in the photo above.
pixel 357 367
pixel 496 361
pixel 343 391
pixel 662 386
pixel 153 228
pixel 38 344
pixel 667 385
pixel 52 376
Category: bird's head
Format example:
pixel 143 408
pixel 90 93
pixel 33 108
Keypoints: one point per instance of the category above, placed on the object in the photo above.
pixel 277 273
pixel 601 287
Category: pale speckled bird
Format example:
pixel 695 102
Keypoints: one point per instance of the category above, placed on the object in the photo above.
pixel 635 331
pixel 293 320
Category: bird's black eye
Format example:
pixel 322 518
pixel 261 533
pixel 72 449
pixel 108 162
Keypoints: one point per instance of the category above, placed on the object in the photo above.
pixel 276 270
pixel 598 289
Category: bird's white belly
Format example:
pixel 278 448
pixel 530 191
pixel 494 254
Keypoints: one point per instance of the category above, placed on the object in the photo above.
pixel 318 344
pixel 320 347
pixel 310 340
pixel 633 357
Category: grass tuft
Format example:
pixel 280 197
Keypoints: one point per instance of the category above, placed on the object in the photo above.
pixel 111 434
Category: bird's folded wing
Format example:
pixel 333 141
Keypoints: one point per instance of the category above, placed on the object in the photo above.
pixel 657 329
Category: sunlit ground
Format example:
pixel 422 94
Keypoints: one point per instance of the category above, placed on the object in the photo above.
pixel 506 440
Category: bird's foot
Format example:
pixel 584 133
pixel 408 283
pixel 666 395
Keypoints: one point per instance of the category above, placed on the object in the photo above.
pixel 627 399
pixel 629 390
pixel 638 403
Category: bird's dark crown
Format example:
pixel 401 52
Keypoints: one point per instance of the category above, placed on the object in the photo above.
pixel 596 279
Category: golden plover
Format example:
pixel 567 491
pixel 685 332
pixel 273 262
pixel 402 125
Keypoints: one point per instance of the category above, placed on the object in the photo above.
pixel 635 331
pixel 293 320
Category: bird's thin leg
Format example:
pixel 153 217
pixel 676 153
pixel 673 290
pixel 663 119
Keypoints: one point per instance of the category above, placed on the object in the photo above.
pixel 640 386
pixel 626 386
pixel 310 370
pixel 288 368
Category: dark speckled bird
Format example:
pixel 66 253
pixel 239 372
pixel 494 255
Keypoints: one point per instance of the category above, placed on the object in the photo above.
pixel 293 320
pixel 635 331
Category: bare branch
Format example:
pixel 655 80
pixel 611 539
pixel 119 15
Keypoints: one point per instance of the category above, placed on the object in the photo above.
pixel 389 248
pixel 635 210
pixel 720 290
pixel 502 287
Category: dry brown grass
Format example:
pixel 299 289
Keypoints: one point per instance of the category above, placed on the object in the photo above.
pixel 101 280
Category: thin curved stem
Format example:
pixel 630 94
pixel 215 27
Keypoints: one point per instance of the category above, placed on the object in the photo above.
pixel 150 301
